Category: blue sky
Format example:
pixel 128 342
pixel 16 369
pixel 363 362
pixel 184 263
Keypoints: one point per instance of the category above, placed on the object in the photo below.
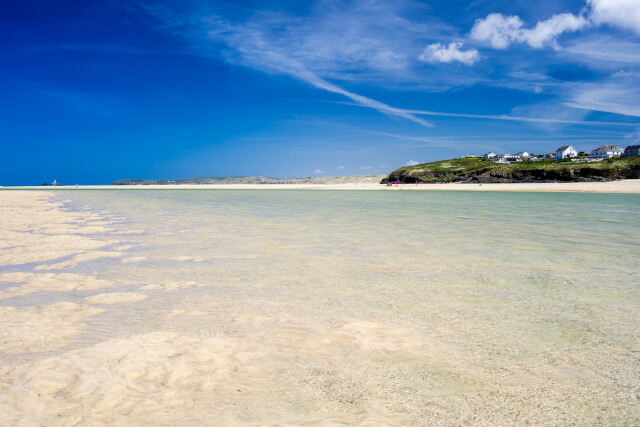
pixel 94 91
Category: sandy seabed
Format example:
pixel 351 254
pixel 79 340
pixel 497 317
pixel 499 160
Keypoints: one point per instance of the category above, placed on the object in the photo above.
pixel 278 362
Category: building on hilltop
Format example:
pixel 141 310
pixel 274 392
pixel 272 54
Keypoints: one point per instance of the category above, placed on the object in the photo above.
pixel 512 158
pixel 490 155
pixel 507 158
pixel 523 155
pixel 632 150
pixel 605 152
pixel 566 151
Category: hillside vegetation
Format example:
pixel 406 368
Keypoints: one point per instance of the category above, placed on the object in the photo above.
pixel 480 170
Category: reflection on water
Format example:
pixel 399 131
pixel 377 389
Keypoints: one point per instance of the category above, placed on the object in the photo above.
pixel 355 307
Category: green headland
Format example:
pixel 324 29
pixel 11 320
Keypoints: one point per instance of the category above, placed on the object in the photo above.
pixel 481 170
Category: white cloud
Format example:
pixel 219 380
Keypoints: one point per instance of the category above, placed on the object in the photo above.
pixel 619 13
pixel 366 167
pixel 340 167
pixel 411 163
pixel 318 171
pixel 439 53
pixel 501 31
pixel 547 31
pixel 497 29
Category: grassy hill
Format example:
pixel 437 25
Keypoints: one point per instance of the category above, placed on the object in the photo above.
pixel 480 170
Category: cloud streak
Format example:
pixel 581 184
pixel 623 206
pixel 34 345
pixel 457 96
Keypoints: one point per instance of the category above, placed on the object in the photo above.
pixel 364 101
pixel 519 118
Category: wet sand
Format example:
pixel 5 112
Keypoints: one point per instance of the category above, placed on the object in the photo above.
pixel 98 326
pixel 623 186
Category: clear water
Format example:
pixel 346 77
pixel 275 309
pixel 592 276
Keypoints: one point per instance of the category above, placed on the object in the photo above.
pixel 417 307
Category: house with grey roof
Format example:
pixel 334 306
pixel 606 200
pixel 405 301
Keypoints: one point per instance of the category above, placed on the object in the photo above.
pixel 566 151
pixel 606 152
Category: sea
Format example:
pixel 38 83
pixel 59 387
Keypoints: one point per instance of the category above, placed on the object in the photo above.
pixel 303 307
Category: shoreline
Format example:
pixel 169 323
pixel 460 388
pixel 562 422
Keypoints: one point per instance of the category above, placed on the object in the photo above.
pixel 631 186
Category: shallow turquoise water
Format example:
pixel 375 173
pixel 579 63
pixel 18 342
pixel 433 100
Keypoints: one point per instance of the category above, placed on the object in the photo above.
pixel 544 264
pixel 505 303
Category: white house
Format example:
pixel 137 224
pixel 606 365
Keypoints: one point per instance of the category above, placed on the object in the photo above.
pixel 606 152
pixel 490 155
pixel 566 151
pixel 523 155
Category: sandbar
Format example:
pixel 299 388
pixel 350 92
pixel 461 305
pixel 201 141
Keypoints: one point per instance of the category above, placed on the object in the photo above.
pixel 619 186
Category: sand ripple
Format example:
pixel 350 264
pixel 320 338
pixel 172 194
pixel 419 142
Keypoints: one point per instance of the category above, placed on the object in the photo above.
pixel 36 329
pixel 115 297
pixel 79 258
pixel 55 282
pixel 170 286
pixel 144 377
pixel 376 338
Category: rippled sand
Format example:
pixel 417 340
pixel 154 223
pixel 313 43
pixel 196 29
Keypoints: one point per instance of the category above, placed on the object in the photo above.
pixel 227 308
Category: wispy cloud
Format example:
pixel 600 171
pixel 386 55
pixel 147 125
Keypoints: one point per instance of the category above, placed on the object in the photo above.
pixel 523 119
pixel 364 101
pixel 604 52
pixel 340 40
pixel 310 49
pixel 411 163
pixel 518 118
pixel 439 53
pixel 610 97
pixel 380 45
pixel 256 44
pixel 318 171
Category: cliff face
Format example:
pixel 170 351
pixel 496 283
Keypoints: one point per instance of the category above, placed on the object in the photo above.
pixel 483 171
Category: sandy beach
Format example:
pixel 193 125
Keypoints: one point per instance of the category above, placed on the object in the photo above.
pixel 622 186
pixel 217 316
